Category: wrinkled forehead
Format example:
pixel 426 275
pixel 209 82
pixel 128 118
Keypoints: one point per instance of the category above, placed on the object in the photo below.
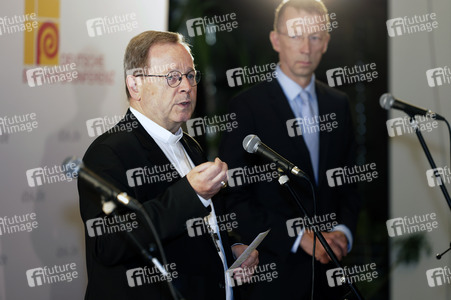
pixel 170 56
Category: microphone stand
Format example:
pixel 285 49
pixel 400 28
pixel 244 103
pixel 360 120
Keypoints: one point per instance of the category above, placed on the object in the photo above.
pixel 439 255
pixel 110 196
pixel 284 181
pixel 414 124
pixel 109 208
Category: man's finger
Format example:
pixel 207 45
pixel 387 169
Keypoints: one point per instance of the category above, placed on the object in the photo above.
pixel 202 167
pixel 252 260
pixel 212 171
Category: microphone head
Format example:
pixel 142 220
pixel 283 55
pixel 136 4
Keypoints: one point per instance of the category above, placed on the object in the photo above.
pixel 72 166
pixel 251 143
pixel 386 101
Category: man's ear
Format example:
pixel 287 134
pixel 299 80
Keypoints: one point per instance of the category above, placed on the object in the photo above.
pixel 133 86
pixel 275 42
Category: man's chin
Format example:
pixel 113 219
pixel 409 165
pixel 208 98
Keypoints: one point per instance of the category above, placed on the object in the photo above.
pixel 183 118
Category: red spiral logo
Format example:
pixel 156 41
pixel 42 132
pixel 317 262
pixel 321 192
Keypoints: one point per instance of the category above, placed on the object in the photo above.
pixel 47 41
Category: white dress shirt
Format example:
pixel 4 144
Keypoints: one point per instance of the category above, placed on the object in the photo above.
pixel 171 146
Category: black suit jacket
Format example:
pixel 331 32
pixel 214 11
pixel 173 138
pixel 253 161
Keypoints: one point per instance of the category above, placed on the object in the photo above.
pixel 264 110
pixel 170 203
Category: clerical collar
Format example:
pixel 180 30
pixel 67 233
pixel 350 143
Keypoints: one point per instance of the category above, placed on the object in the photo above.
pixel 156 131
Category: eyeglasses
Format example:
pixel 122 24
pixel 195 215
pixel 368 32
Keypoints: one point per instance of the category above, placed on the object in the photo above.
pixel 174 78
pixel 313 39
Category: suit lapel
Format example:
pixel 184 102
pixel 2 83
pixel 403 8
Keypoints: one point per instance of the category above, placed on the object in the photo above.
pixel 157 157
pixel 193 149
pixel 154 153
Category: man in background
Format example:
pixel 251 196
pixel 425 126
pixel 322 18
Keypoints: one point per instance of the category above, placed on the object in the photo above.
pixel 287 114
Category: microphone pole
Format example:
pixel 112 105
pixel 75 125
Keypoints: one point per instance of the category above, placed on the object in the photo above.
pixel 414 124
pixel 110 195
pixel 253 144
pixel 439 255
pixel 387 102
pixel 284 181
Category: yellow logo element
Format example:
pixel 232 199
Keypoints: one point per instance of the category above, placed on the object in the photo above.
pixel 41 46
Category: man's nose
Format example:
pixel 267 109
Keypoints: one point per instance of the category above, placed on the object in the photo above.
pixel 304 47
pixel 185 86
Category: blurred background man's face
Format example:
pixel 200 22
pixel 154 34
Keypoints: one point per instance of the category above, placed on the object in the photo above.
pixel 299 57
pixel 167 106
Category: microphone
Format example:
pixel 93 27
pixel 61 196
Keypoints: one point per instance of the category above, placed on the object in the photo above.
pixel 387 101
pixel 74 166
pixel 253 144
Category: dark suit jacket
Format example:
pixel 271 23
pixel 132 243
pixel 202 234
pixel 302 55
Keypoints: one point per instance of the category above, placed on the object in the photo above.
pixel 264 110
pixel 200 274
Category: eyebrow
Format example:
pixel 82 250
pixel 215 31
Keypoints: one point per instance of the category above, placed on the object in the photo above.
pixel 189 69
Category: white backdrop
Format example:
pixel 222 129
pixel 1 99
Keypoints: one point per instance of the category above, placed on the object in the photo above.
pixel 410 56
pixel 61 111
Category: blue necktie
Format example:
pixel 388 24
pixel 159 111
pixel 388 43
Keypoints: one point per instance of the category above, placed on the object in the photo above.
pixel 310 129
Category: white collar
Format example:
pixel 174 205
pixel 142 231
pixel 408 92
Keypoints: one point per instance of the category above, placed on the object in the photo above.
pixel 156 131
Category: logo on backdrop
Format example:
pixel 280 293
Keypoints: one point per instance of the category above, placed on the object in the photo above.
pixel 41 46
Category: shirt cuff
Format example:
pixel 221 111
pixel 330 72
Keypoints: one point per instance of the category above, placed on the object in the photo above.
pixel 297 243
pixel 343 228
pixel 205 202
